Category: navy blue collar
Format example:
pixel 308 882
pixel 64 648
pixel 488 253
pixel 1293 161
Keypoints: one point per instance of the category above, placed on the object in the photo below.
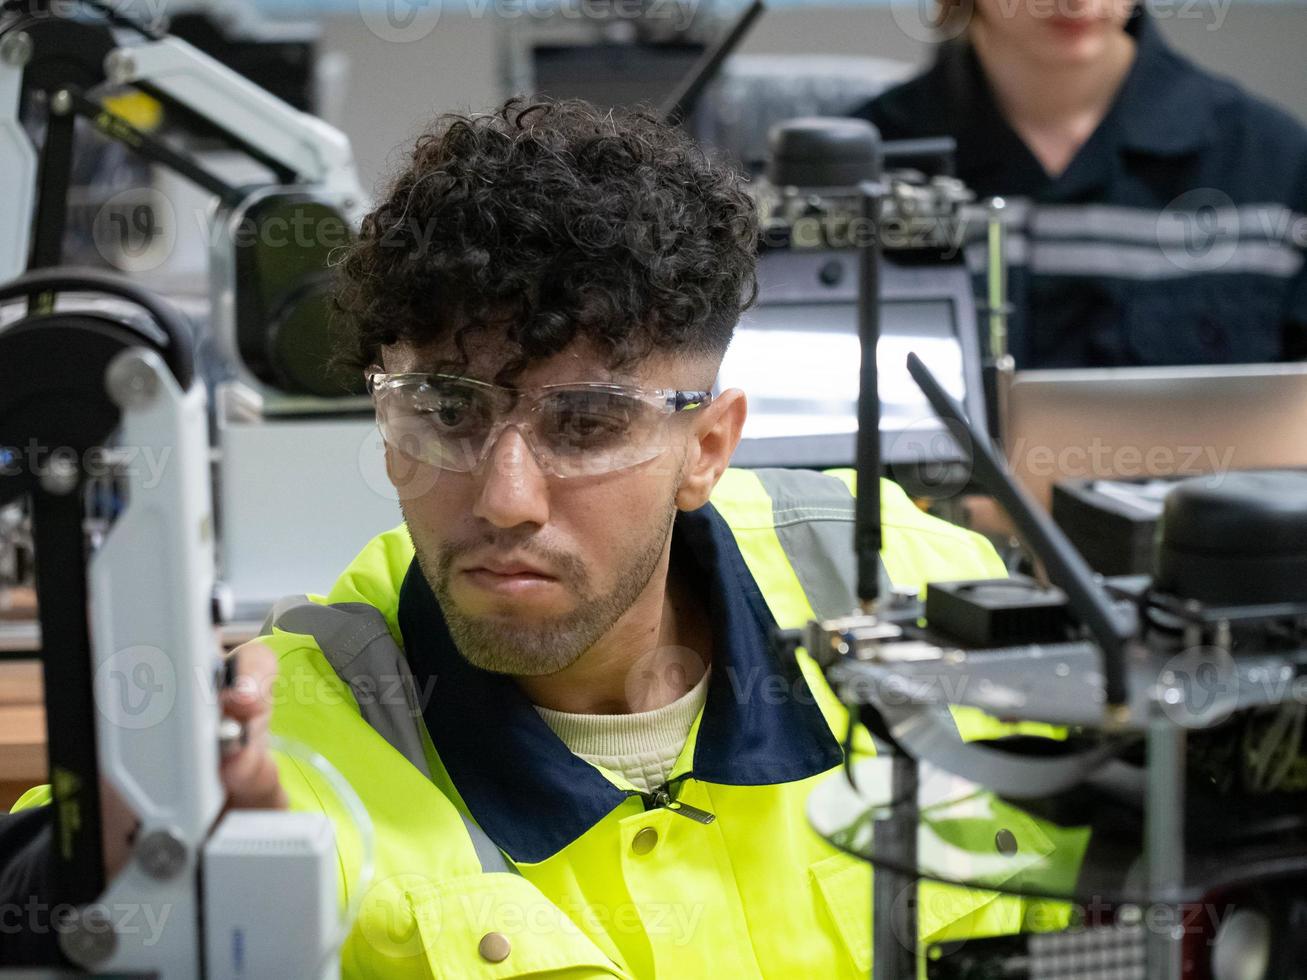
pixel 761 724
pixel 1165 104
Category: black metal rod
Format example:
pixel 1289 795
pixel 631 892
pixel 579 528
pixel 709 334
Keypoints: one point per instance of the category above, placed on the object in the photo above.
pixel 1066 568
pixel 76 854
pixel 116 128
pixel 201 125
pixel 1164 836
pixel 52 197
pixel 867 530
pixel 683 100
pixel 894 894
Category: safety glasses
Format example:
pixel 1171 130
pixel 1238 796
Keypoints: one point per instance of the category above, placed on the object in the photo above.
pixel 572 430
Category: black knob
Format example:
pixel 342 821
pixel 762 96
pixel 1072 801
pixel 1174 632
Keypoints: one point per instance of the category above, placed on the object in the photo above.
pixel 831 273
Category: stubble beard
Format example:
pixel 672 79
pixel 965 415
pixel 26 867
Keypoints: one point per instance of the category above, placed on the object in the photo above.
pixel 530 648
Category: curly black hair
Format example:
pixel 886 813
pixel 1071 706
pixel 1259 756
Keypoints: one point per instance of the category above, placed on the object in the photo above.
pixel 553 221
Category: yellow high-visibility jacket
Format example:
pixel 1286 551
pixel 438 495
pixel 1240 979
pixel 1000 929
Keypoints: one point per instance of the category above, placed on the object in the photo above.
pixel 500 854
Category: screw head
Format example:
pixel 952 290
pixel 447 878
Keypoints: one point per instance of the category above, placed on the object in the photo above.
pixel 61 103
pixel 161 854
pixel 132 380
pixel 87 937
pixel 59 476
pixel 16 49
pixel 119 66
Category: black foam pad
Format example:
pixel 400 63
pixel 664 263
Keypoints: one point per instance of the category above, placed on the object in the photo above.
pixel 1235 538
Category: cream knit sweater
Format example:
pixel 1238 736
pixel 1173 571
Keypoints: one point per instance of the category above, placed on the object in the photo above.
pixel 641 747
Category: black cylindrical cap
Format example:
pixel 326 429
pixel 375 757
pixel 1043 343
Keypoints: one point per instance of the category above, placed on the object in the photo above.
pixel 818 151
pixel 1239 538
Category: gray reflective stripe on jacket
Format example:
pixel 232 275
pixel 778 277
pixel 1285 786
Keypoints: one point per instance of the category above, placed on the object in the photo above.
pixel 813 515
pixel 814 518
pixel 355 640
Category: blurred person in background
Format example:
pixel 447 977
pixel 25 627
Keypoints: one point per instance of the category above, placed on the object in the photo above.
pixel 1156 211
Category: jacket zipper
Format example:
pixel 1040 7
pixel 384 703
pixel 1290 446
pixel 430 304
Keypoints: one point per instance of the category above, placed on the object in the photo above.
pixel 661 798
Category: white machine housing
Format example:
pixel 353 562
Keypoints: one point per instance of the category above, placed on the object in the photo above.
pixel 157 672
pixel 17 163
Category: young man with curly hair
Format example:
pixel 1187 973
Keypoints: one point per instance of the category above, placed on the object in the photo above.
pixel 553 686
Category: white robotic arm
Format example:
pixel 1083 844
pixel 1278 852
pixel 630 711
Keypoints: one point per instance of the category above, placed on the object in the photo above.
pixel 307 152
pixel 318 154
pixel 17 158
pixel 132 669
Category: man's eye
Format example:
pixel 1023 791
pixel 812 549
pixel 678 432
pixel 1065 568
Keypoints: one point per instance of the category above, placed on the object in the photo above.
pixel 452 414
pixel 587 429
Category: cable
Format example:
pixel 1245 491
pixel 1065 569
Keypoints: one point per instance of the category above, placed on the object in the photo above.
pixel 1277 747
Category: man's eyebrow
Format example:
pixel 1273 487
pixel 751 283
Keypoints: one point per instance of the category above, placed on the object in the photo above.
pixel 450 365
pixel 457 368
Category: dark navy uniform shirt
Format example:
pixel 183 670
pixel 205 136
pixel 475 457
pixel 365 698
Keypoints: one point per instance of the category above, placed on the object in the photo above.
pixel 1175 236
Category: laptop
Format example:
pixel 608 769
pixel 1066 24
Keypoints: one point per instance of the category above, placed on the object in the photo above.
pixel 1140 422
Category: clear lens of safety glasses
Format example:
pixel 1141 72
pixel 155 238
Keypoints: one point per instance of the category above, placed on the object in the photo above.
pixel 572 430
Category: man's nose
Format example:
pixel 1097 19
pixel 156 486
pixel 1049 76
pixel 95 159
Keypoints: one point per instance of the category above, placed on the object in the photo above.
pixel 514 490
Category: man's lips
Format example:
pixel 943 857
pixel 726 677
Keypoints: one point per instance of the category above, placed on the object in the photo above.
pixel 1075 26
pixel 508 568
pixel 507 577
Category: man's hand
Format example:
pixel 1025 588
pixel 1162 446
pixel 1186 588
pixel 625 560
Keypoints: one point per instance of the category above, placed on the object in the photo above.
pixel 248 773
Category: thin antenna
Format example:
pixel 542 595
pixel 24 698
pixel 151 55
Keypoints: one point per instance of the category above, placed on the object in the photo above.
pixel 1066 568
pixel 866 519
pixel 683 100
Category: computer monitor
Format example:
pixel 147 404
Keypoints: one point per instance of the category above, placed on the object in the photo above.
pixel 613 75
pixel 1137 422
pixel 796 355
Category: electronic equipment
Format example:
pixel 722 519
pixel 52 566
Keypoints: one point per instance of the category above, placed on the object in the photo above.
pixel 1178 779
pixel 610 74
pixel 754 92
pixel 647 55
pixel 132 668
pixel 270 239
pixel 1112 523
pixel 1141 422
pixel 796 352
pixel 1181 789
pixel 266 331
pixel 618 55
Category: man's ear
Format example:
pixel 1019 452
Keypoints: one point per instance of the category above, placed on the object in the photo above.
pixel 712 443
